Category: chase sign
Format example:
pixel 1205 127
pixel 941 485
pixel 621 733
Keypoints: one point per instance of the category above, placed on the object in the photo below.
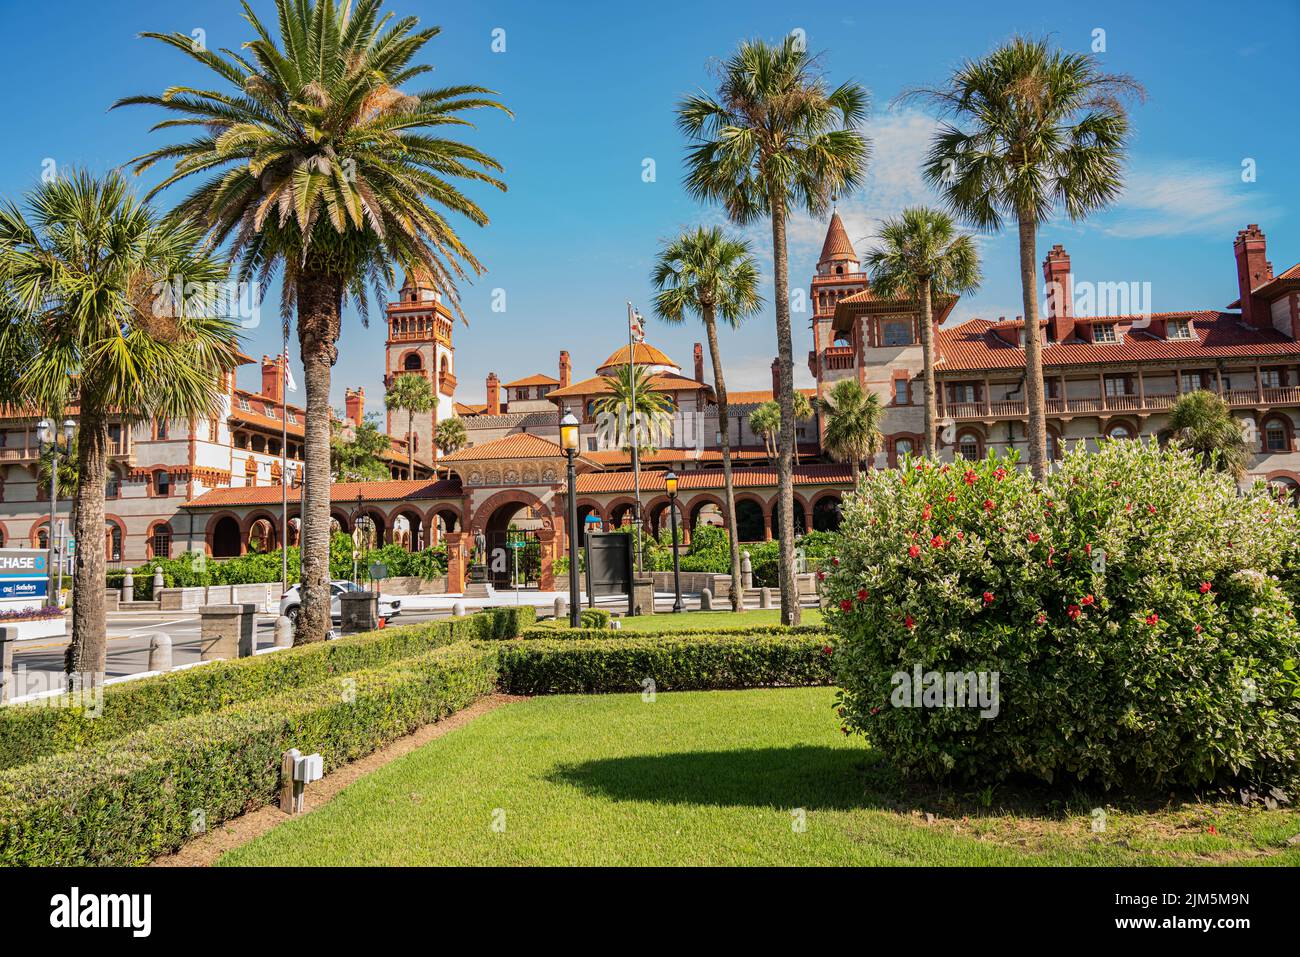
pixel 24 576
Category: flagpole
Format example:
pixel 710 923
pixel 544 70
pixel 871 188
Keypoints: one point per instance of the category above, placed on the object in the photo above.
pixel 636 438
pixel 284 464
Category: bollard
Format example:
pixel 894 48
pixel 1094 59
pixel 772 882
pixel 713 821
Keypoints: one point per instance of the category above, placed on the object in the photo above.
pixel 228 631
pixel 706 600
pixel 283 632
pixel 458 609
pixel 159 583
pixel 160 651
pixel 765 598
pixel 8 636
pixel 128 586
pixel 746 571
pixel 561 608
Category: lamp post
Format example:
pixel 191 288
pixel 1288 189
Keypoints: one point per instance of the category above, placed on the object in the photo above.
pixel 670 483
pixel 569 442
pixel 46 437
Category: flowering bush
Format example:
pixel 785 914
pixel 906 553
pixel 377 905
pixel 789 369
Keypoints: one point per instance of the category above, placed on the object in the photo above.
pixel 1122 613
pixel 32 614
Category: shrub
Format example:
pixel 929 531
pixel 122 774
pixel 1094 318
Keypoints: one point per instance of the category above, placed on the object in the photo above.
pixel 673 663
pixel 28 732
pixel 1123 604
pixel 545 630
pixel 594 618
pixel 500 623
pixel 128 801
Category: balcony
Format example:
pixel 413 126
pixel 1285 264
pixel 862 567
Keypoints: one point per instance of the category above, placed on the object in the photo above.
pixel 838 357
pixel 447 383
pixel 1110 404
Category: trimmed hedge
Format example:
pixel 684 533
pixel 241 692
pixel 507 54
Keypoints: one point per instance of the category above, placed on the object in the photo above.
pixel 28 732
pixel 544 631
pixel 594 618
pixel 128 801
pixel 674 663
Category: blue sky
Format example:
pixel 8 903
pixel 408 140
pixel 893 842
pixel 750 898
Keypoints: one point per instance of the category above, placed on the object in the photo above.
pixel 593 86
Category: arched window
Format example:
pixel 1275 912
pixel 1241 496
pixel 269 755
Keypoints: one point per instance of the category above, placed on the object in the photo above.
pixel 970 445
pixel 112 541
pixel 1277 438
pixel 903 447
pixel 2 538
pixel 161 541
pixel 1119 431
pixel 43 537
pixel 113 484
pixel 412 362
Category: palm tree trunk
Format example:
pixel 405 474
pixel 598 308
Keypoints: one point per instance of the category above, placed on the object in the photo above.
pixel 927 353
pixel 1033 348
pixel 724 428
pixel 410 449
pixel 785 380
pixel 86 656
pixel 855 473
pixel 320 299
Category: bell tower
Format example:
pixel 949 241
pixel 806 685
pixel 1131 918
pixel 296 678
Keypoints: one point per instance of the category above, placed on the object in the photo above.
pixel 419 342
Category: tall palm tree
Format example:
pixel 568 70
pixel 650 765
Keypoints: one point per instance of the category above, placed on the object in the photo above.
pixel 650 414
pixel 1032 129
pixel 707 274
pixel 922 258
pixel 1201 421
pixel 91 272
pixel 410 393
pixel 450 435
pixel 765 421
pixel 776 137
pixel 853 420
pixel 316 163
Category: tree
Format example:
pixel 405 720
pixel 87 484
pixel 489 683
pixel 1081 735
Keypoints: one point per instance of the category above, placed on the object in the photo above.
pixel 853 418
pixel 90 275
pixel 451 435
pixel 411 393
pixel 356 451
pixel 1201 421
pixel 707 274
pixel 765 420
pixel 775 137
pixel 1032 129
pixel 317 164
pixel 651 413
pixel 921 258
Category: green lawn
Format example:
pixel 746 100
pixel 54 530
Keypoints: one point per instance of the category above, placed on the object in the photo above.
pixel 718 778
pixel 713 619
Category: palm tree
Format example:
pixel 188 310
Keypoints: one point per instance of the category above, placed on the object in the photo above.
pixel 90 271
pixel 852 424
pixel 775 137
pixel 316 163
pixel 921 258
pixel 1201 421
pixel 650 415
pixel 411 393
pixel 450 435
pixel 705 273
pixel 765 421
pixel 1033 129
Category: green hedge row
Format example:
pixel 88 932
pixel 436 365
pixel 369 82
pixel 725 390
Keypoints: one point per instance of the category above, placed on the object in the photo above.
pixel 128 801
pixel 28 732
pixel 674 663
pixel 545 631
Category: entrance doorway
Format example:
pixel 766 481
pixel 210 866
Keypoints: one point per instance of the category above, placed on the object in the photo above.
pixel 514 557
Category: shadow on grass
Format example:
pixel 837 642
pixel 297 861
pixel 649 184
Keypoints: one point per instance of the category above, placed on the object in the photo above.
pixel 809 777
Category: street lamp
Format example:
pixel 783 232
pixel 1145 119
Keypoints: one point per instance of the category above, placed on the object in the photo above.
pixel 47 438
pixel 569 442
pixel 670 483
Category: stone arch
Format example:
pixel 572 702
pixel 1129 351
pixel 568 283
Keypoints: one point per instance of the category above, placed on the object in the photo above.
pixel 965 436
pixel 34 534
pixel 827 511
pixel 1121 421
pixel 411 361
pixel 342 519
pixel 550 537
pixel 800 513
pixel 587 507
pixel 416 535
pixel 916 441
pixel 751 518
pixel 378 521
pixel 261 526
pixel 224 536
pixel 697 504
pixel 620 510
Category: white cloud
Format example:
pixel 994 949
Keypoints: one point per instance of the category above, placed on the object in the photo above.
pixel 1185 198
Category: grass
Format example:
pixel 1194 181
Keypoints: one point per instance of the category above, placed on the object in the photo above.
pixel 720 778
pixel 712 619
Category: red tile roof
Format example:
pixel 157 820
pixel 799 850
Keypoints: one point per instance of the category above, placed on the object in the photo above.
pixel 535 379
pixel 837 245
pixel 974 346
pixel 660 382
pixel 520 445
pixel 462 408
pixel 645 354
pixel 340 492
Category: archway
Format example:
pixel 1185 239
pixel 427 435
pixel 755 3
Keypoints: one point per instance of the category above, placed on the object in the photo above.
pixel 261 536
pixel 749 521
pixel 622 513
pixel 225 537
pixel 408 530
pixel 584 510
pixel 707 510
pixel 800 520
pixel 826 514
pixel 521 539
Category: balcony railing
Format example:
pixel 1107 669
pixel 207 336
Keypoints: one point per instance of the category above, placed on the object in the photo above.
pixel 1151 402
pixel 32 453
pixel 838 357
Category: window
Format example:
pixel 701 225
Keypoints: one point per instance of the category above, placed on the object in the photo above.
pixel 243 404
pixel 241 440
pixel 1053 446
pixel 591 443
pixel 259 443
pixel 160 429
pixel 113 486
pixel 162 542
pixel 902 447
pixel 1104 332
pixel 1275 437
pixel 1270 378
pixel 273 446
pixel 1117 385
pixel 413 362
pixel 162 484
pixel 292 418
pixel 902 392
pixel 962 392
pixel 1191 381
pixel 112 541
pixel 1120 431
pixel 968 444
pixel 212 430
pixel 896 332
pixel 1178 329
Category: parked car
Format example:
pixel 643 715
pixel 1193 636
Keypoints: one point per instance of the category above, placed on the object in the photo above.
pixel 389 607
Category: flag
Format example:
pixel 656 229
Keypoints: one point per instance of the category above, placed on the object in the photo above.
pixel 636 324
pixel 289 384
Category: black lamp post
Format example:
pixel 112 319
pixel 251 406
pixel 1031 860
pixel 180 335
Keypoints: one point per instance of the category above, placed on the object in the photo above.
pixel 48 438
pixel 569 442
pixel 670 483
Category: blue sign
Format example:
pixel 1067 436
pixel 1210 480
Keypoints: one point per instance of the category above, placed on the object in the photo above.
pixel 592 519
pixel 22 563
pixel 24 589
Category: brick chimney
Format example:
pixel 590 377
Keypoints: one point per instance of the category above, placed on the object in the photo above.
pixel 566 369
pixel 354 405
pixel 1060 294
pixel 273 377
pixel 776 378
pixel 699 362
pixel 493 394
pixel 1253 270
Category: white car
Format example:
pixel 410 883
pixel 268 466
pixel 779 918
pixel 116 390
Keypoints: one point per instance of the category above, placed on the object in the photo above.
pixel 389 607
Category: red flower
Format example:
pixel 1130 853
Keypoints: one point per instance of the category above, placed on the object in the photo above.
pixel 845 730
pixel 1153 619
pixel 908 622
pixel 1033 538
pixel 821 576
pixel 835 562
pixel 925 514
pixel 1087 600
pixel 914 551
pixel 936 542
pixel 1087 549
pixel 969 477
pixel 1042 619
pixel 846 605
pixel 1205 586
pixel 1151 509
pixel 989 505
pixel 999 473
pixel 862 594
pixel 1073 611
pixel 1128 507
pixel 826 650
pixel 876 710
pixel 961 536
pixel 952 497
pixel 1197 629
pixel 988 598
pixel 1212 830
